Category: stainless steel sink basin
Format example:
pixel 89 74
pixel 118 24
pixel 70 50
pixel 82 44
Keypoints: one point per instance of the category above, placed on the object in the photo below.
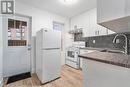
pixel 113 51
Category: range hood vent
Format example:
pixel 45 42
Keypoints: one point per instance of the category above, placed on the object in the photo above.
pixel 118 25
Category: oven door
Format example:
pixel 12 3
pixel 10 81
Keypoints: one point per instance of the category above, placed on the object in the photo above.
pixel 72 59
pixel 72 56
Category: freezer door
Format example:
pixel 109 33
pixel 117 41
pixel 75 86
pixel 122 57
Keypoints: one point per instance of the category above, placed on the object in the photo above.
pixel 51 39
pixel 51 65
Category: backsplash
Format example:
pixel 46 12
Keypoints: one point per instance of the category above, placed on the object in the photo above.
pixel 106 41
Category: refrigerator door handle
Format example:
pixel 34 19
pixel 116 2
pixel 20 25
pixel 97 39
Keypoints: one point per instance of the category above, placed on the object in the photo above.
pixel 50 48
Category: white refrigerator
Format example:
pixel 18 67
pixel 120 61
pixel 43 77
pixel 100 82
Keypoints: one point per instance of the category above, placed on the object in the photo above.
pixel 48 55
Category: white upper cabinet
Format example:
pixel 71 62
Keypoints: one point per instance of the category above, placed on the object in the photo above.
pixel 81 21
pixel 88 21
pixel 92 22
pixel 110 9
pixel 94 28
pixel 110 32
pixel 128 7
pixel 114 14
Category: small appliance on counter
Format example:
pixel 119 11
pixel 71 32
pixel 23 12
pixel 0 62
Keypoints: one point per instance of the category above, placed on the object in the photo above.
pixel 72 53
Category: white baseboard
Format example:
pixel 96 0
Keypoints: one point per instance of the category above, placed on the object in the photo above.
pixel 33 70
pixel 1 83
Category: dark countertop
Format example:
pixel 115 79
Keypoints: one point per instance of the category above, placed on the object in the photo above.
pixel 98 49
pixel 122 60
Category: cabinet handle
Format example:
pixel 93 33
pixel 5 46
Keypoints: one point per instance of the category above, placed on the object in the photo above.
pixel 95 32
pixel 98 32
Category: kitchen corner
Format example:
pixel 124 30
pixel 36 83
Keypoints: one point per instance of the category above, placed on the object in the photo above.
pixel 65 43
pixel 106 65
pixel 101 69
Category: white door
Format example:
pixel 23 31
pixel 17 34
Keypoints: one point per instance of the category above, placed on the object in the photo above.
pixel 17 37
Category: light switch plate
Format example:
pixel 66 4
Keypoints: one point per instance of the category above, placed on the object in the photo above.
pixel 94 41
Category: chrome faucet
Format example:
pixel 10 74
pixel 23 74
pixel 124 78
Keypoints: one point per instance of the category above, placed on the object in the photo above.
pixel 126 42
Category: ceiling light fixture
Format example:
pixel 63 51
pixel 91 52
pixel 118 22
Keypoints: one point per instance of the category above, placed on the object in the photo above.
pixel 68 2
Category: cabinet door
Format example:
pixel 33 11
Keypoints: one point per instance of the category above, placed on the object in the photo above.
pixel 102 30
pixel 127 7
pixel 81 21
pixel 93 22
pixel 85 21
pixel 110 31
pixel 95 29
pixel 110 9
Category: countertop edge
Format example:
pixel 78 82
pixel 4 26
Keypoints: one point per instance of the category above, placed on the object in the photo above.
pixel 105 61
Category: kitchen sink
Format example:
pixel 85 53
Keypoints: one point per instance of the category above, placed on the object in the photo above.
pixel 113 51
pixel 86 51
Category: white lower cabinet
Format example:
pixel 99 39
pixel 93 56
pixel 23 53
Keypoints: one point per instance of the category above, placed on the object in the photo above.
pixel 98 74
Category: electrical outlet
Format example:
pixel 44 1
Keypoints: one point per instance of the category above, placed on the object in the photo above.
pixel 94 41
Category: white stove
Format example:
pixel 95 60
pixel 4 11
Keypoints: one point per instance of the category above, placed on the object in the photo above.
pixel 72 53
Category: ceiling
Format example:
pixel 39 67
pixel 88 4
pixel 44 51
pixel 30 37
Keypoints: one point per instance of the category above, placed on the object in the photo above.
pixel 57 7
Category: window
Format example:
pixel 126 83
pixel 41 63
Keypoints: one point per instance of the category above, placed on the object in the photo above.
pixel 17 33
pixel 58 26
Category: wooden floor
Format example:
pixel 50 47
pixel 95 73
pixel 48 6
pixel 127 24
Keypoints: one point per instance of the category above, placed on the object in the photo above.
pixel 69 78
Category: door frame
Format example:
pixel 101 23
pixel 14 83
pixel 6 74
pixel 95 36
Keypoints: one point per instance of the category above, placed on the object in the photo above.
pixel 30 32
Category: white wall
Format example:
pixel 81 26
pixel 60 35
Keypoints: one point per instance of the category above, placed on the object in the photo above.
pixel 81 20
pixel 1 51
pixel 41 19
